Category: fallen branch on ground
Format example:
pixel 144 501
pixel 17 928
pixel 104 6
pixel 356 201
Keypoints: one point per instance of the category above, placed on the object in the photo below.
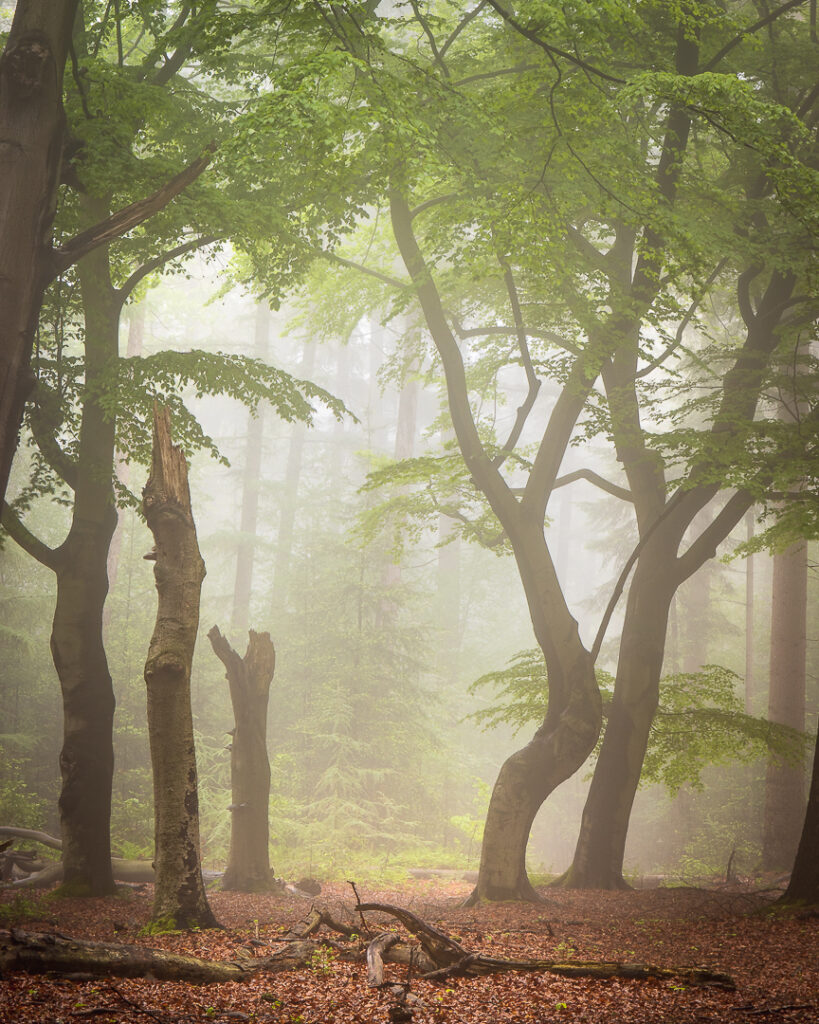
pixel 451 958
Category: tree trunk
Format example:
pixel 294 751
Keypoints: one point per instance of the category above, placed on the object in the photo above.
pixel 179 898
pixel 31 136
pixel 290 494
pixel 249 678
pixel 598 858
pixel 785 783
pixel 87 756
pixel 558 748
pixel 803 886
pixel 251 477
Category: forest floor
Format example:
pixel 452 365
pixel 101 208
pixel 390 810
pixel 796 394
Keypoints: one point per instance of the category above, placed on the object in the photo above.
pixel 774 960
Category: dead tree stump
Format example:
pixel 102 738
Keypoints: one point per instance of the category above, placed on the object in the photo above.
pixel 249 678
pixel 179 900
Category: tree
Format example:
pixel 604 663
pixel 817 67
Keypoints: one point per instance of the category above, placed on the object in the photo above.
pixel 102 385
pixel 179 896
pixel 249 679
pixel 803 886
pixel 31 126
pixel 601 250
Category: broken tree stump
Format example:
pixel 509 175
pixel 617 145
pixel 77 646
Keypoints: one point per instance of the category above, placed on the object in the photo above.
pixel 249 679
pixel 179 895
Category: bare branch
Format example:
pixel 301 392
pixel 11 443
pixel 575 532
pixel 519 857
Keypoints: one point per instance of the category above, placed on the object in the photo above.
pixel 705 546
pixel 689 313
pixel 32 545
pixel 462 25
pixel 377 274
pixel 526 359
pixel 158 261
pixel 597 480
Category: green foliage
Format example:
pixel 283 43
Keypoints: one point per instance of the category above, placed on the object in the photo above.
pixel 700 720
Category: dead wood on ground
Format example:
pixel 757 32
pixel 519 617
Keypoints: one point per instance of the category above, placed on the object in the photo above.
pixel 452 958
pixel 438 958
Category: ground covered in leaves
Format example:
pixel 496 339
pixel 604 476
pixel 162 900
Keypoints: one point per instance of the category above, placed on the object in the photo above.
pixel 774 960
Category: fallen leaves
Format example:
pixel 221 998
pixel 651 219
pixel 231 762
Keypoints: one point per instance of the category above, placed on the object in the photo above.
pixel 775 962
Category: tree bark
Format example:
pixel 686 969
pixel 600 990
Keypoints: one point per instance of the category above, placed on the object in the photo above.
pixel 785 783
pixel 598 858
pixel 31 137
pixel 249 678
pixel 803 886
pixel 179 899
pixel 87 756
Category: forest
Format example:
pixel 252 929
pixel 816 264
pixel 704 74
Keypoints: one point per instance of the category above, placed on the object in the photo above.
pixel 409 466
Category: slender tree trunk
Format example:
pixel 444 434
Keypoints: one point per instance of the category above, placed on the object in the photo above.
pixel 290 493
pixel 134 346
pixel 251 477
pixel 249 678
pixel 31 130
pixel 784 783
pixel 179 895
pixel 87 757
pixel 749 617
pixel 598 858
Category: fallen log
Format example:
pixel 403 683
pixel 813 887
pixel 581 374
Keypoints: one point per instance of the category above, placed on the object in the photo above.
pixel 124 870
pixel 41 953
pixel 451 958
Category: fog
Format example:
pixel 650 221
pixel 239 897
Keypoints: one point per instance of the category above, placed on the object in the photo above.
pixel 383 616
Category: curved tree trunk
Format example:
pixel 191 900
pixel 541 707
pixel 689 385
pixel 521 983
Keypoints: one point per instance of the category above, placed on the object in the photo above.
pixel 558 748
pixel 179 896
pixel 249 678
pixel 598 858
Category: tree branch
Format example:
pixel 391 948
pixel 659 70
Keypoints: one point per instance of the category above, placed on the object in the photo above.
pixel 461 26
pixel 678 336
pixel 124 220
pixel 377 274
pixel 531 377
pixel 153 264
pixel 554 51
pixel 594 478
pixel 705 546
pixel 32 545
pixel 772 16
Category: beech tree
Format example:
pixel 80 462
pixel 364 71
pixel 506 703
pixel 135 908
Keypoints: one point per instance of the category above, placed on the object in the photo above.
pixel 75 418
pixel 587 220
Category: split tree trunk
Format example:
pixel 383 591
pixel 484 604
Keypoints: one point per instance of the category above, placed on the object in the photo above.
pixel 249 678
pixel 179 898
pixel 31 137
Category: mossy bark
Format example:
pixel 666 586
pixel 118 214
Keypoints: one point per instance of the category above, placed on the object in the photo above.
pixel 179 895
